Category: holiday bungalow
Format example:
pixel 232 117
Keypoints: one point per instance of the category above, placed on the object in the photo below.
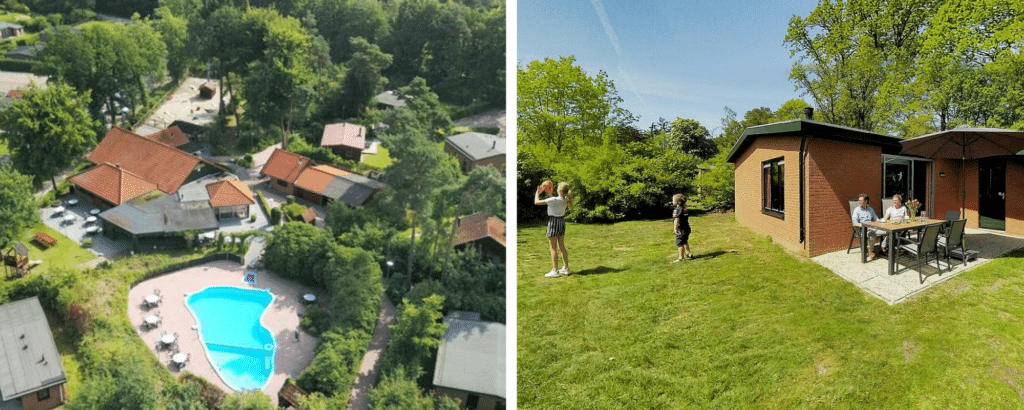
pixel 344 139
pixel 794 180
pixel 294 174
pixel 474 149
pixel 484 232
pixel 31 374
pixel 470 364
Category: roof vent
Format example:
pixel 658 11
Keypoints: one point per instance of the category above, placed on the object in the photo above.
pixel 809 113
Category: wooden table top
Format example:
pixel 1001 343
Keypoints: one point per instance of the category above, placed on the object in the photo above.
pixel 905 224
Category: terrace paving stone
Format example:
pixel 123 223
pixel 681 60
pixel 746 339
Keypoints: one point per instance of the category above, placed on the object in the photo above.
pixel 873 277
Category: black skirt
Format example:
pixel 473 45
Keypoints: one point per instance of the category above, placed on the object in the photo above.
pixel 556 226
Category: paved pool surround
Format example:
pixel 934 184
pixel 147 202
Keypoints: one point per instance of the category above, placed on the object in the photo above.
pixel 281 318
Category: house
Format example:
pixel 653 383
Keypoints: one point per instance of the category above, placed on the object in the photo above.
pixel 294 174
pixel 474 149
pixel 24 52
pixel 30 365
pixel 794 180
pixel 158 220
pixel 388 100
pixel 470 364
pixel 8 30
pixel 128 163
pixel 345 139
pixel 482 231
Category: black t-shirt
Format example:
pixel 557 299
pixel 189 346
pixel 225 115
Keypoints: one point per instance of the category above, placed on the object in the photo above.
pixel 684 218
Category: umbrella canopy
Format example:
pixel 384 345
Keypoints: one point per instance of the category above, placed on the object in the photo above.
pixel 965 142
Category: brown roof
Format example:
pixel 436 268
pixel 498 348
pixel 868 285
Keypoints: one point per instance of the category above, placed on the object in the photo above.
pixel 15 94
pixel 153 161
pixel 114 184
pixel 479 226
pixel 309 216
pixel 172 136
pixel 344 134
pixel 315 179
pixel 229 192
pixel 290 393
pixel 285 165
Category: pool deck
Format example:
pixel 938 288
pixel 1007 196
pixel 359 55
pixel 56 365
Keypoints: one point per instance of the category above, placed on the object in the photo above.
pixel 282 319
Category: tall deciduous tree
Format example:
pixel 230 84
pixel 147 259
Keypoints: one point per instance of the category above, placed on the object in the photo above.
pixel 281 82
pixel 414 336
pixel 173 31
pixel 47 130
pixel 423 110
pixel 363 78
pixel 339 21
pixel 686 135
pixel 561 107
pixel 17 205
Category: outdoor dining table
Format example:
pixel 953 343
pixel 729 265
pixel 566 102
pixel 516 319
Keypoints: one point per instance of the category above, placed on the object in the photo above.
pixel 73 201
pixel 152 299
pixel 167 339
pixel 309 297
pixel 94 211
pixel 92 229
pixel 69 218
pixel 90 219
pixel 152 320
pixel 58 210
pixel 179 358
pixel 892 231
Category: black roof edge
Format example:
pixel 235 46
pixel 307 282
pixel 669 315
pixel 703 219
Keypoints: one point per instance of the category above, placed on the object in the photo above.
pixel 889 144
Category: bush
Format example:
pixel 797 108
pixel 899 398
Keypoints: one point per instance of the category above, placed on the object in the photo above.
pixel 315 321
pixel 290 199
pixel 275 216
pixel 293 211
pixel 252 218
pixel 87 242
pixel 19 66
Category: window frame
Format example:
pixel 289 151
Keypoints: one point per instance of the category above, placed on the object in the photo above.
pixel 773 187
pixel 40 394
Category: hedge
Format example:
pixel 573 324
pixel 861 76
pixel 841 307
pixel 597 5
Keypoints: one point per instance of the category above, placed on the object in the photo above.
pixel 19 66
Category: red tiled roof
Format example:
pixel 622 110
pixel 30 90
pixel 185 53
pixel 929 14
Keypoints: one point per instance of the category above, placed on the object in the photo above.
pixel 171 136
pixel 15 94
pixel 290 393
pixel 309 216
pixel 153 161
pixel 229 192
pixel 116 185
pixel 315 179
pixel 479 226
pixel 285 165
pixel 344 134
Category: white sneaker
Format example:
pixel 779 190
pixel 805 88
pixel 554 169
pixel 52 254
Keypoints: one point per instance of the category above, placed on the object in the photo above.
pixel 564 271
pixel 552 274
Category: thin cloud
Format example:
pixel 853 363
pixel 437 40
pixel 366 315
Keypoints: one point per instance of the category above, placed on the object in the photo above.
pixel 629 83
pixel 603 16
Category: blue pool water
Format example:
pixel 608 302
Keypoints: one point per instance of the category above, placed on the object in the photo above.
pixel 242 350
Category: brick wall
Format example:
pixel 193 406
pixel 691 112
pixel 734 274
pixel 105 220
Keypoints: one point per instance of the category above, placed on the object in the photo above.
pixel 784 231
pixel 948 188
pixel 30 401
pixel 498 162
pixel 836 173
pixel 1015 197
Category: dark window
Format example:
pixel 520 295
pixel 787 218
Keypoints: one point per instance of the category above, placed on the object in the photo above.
pixel 472 402
pixel 282 183
pixel 772 187
pixel 42 395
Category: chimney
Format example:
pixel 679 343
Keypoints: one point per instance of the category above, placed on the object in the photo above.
pixel 809 113
pixel 494 144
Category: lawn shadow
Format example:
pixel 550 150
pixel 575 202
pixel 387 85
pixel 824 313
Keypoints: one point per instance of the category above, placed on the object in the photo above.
pixel 711 255
pixel 597 271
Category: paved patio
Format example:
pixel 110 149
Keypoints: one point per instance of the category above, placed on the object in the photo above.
pixel 874 279
pixel 281 318
pixel 75 230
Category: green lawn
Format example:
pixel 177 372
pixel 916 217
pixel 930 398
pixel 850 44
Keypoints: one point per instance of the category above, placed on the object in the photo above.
pixel 748 325
pixel 65 254
pixel 380 160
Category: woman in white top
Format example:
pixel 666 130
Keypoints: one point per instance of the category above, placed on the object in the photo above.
pixel 556 227
pixel 896 211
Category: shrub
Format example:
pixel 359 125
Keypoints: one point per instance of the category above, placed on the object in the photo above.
pixel 315 321
pixel 263 202
pixel 87 242
pixel 293 211
pixel 290 199
pixel 252 218
pixel 275 216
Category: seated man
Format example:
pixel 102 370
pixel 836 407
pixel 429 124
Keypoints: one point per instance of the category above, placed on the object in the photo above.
pixel 865 213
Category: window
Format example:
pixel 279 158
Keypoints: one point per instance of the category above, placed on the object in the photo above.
pixel 472 402
pixel 772 187
pixel 282 183
pixel 42 395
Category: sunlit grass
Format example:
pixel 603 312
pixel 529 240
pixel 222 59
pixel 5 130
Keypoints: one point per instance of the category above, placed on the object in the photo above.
pixel 380 160
pixel 747 325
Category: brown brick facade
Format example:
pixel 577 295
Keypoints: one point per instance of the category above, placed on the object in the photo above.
pixel 786 230
pixel 836 173
pixel 57 394
pixel 1015 197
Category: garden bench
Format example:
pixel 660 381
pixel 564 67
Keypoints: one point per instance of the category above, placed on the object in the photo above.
pixel 45 240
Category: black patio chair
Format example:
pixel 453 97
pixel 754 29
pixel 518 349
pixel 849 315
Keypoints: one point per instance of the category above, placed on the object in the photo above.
pixel 953 239
pixel 925 246
pixel 854 203
pixel 950 217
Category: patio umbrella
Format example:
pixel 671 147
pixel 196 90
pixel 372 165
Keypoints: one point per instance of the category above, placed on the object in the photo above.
pixel 965 142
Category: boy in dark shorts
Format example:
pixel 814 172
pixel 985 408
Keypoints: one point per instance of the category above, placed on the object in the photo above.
pixel 681 227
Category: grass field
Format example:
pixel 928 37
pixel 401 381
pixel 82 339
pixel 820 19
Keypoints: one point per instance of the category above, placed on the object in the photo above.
pixel 380 160
pixel 65 254
pixel 748 325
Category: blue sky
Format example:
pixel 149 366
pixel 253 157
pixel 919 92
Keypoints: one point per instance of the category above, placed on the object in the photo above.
pixel 674 58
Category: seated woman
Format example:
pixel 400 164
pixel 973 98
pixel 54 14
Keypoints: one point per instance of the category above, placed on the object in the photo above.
pixel 896 211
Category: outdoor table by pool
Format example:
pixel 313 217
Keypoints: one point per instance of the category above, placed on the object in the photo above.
pixel 73 201
pixel 152 320
pixel 90 219
pixel 179 358
pixel 309 297
pixel 69 218
pixel 58 210
pixel 167 339
pixel 893 230
pixel 92 229
pixel 152 299
pixel 94 211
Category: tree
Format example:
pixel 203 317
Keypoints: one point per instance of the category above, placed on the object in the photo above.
pixel 689 136
pixel 173 31
pixel 482 191
pixel 399 391
pixel 339 21
pixel 247 400
pixel 17 205
pixel 423 110
pixel 418 170
pixel 414 336
pixel 561 107
pixel 336 364
pixel 47 130
pixel 353 277
pixel 363 78
pixel 297 251
pixel 280 83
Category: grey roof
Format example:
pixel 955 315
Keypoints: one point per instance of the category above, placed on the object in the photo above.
pixel 389 98
pixel 29 360
pixel 27 51
pixel 800 126
pixel 476 145
pixel 352 189
pixel 4 24
pixel 472 356
pixel 164 214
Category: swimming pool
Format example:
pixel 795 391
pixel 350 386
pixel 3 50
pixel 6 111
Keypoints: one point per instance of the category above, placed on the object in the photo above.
pixel 239 347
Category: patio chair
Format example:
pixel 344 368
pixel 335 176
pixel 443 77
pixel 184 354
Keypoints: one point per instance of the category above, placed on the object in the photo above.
pixel 854 203
pixel 886 204
pixel 950 217
pixel 953 239
pixel 925 245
